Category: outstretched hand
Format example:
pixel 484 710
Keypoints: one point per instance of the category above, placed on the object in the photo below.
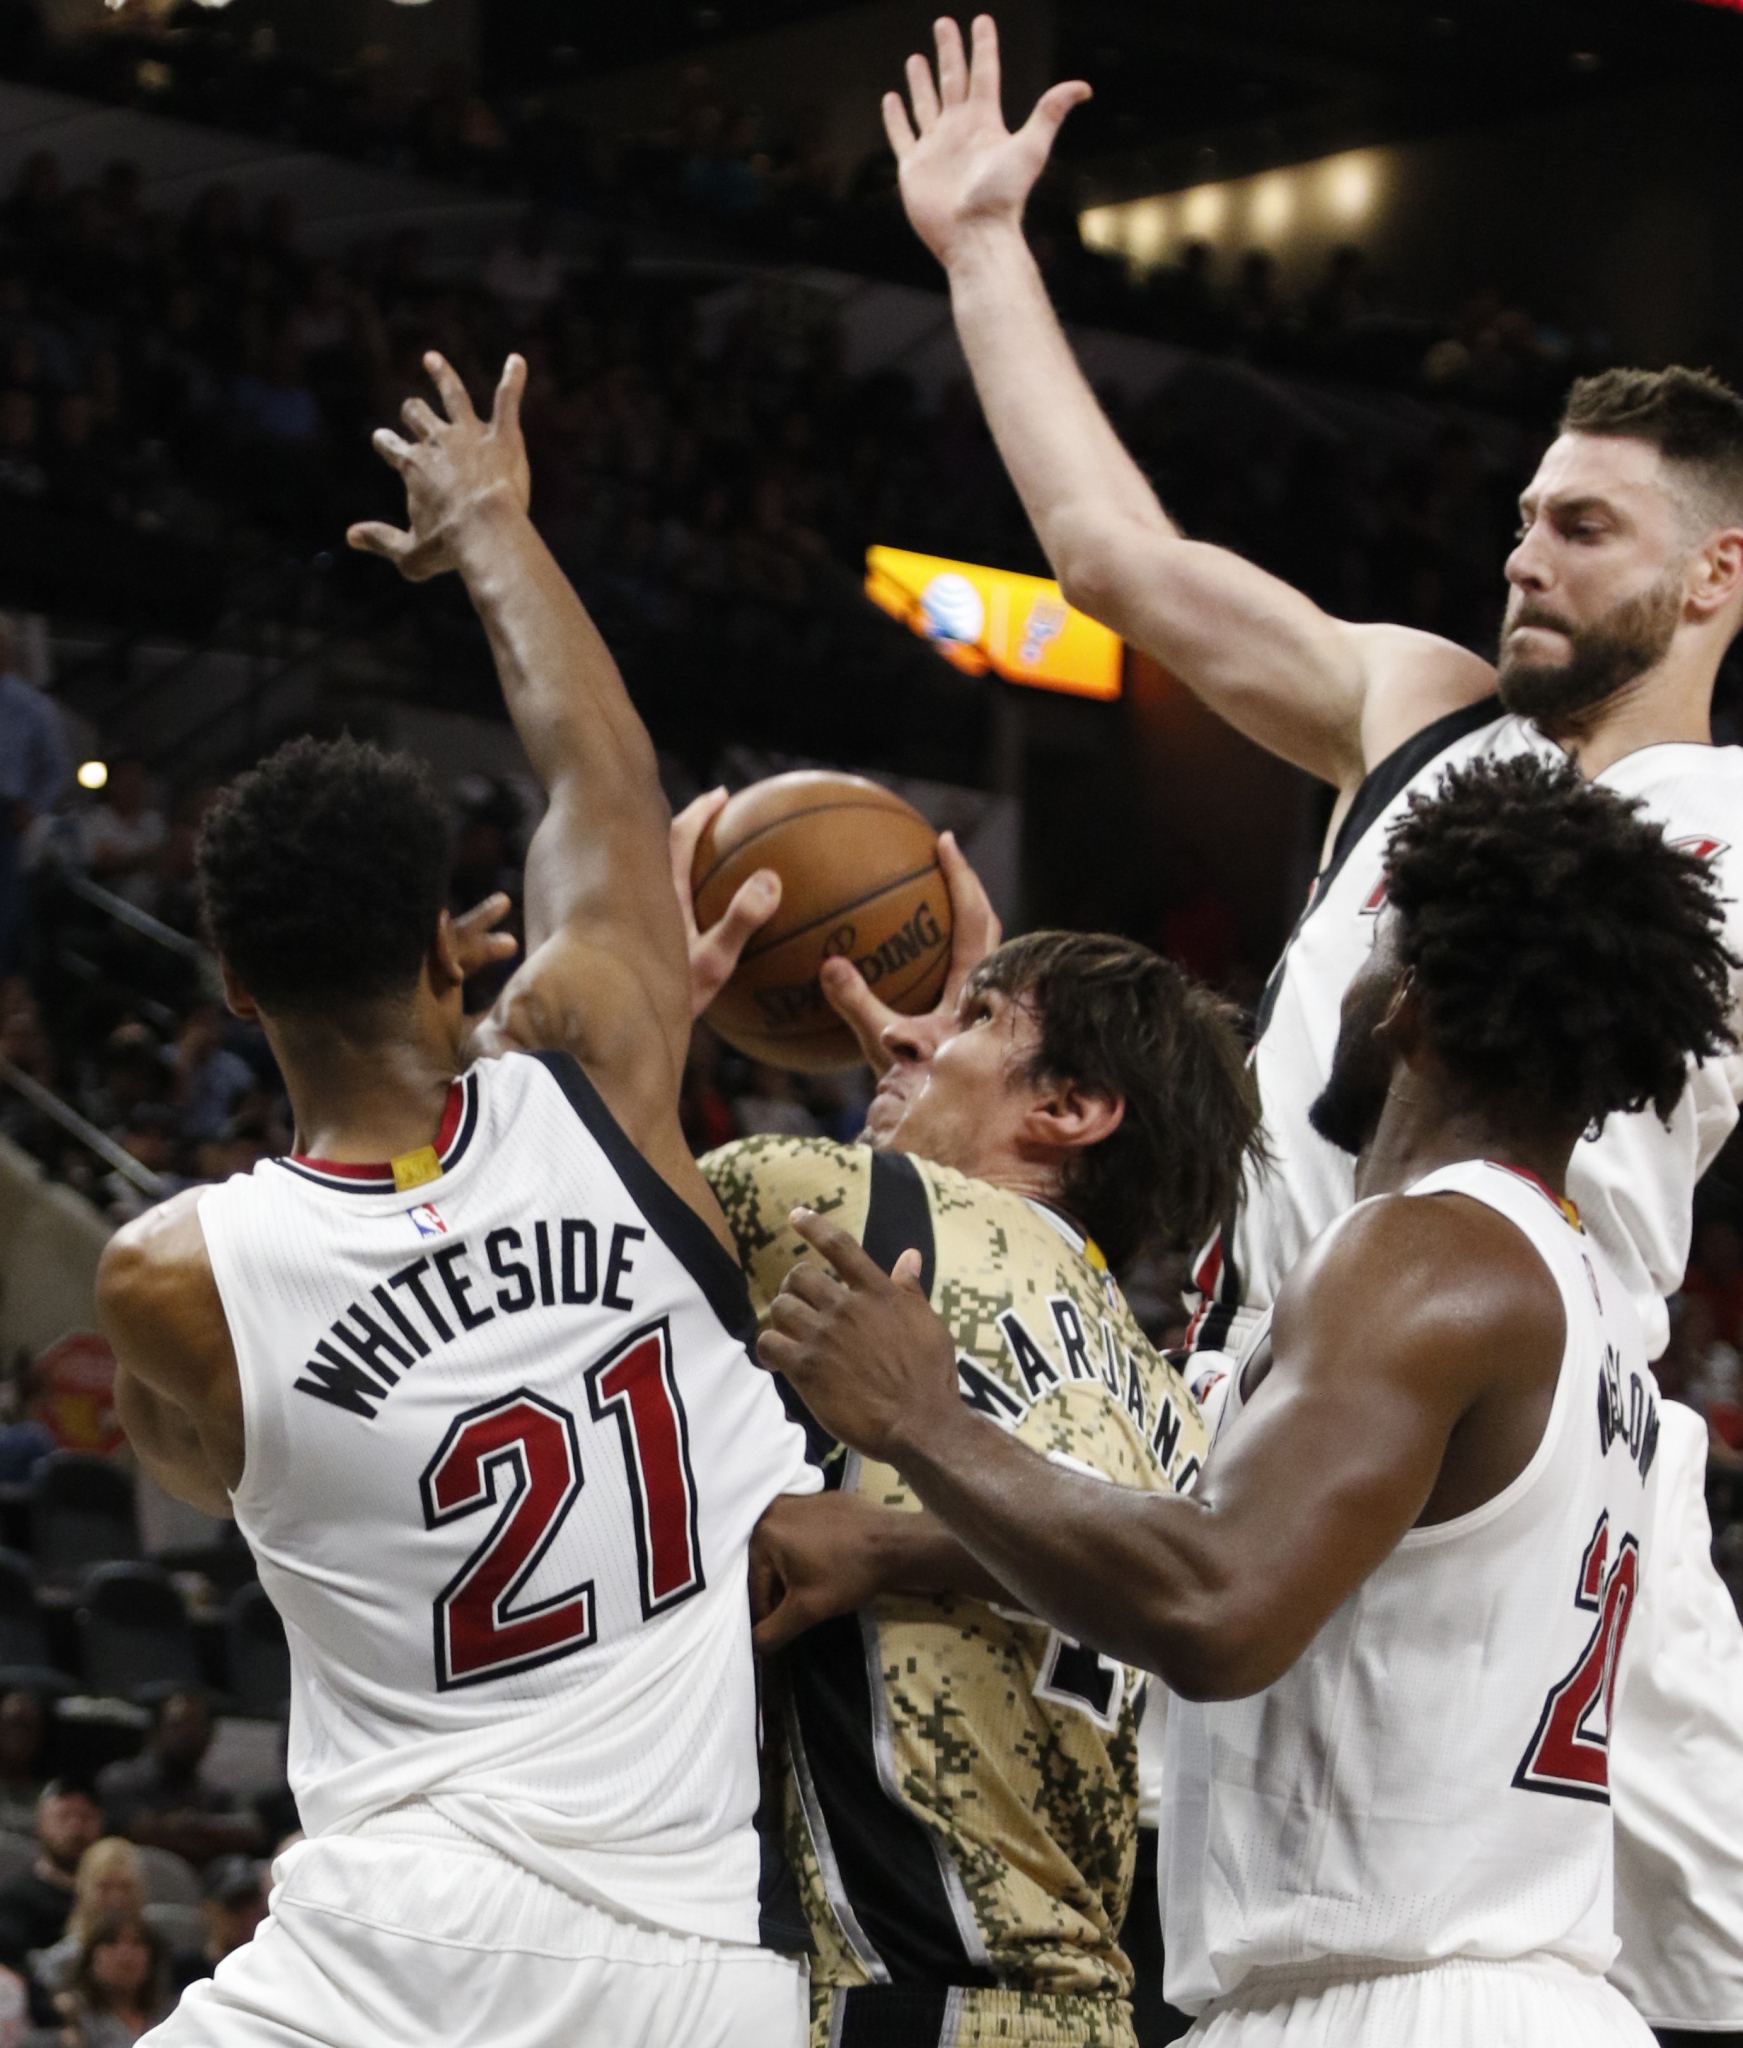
pixel 861 1348
pixel 715 953
pixel 965 167
pixel 451 467
pixel 975 932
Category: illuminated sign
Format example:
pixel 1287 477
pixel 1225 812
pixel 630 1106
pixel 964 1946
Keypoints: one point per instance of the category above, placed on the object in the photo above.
pixel 1017 626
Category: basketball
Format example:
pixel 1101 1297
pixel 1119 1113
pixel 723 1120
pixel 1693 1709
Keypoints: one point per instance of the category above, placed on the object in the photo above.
pixel 859 877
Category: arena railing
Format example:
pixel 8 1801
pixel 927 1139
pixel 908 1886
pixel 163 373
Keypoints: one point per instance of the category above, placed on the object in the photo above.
pixel 47 1103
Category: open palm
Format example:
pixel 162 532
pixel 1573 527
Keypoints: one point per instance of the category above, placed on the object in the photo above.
pixel 964 166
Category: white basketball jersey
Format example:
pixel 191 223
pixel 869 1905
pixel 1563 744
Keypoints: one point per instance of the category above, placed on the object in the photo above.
pixel 504 1452
pixel 1633 1183
pixel 1430 1780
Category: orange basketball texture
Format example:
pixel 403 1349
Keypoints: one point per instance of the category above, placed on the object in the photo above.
pixel 859 876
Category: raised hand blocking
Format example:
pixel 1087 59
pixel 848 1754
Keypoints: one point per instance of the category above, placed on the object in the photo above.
pixel 964 167
pixel 451 467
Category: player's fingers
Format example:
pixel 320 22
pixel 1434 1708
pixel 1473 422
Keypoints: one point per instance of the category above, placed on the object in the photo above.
pixel 791 1316
pixel 510 386
pixel 754 902
pixel 787 1618
pixel 975 930
pixel 952 64
pixel 983 66
pixel 374 537
pixel 923 93
pixel 843 1251
pixel 816 1286
pixel 388 445
pixel 683 837
pixel 907 1270
pixel 896 125
pixel 454 394
pixel 845 991
pixel 1050 112
pixel 419 419
pixel 780 1353
pixel 485 915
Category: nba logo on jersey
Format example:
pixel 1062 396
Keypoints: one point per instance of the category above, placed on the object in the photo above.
pixel 426 1221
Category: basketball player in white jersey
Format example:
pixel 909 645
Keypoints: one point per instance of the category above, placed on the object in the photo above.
pixel 1402 1591
pixel 469 1371
pixel 1627 587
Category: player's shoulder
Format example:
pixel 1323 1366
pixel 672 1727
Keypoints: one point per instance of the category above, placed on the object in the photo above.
pixel 758 1181
pixel 157 1269
pixel 1433 1270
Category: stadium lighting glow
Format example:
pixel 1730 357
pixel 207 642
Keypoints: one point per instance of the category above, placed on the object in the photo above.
pixel 1349 186
pixel 1273 204
pixel 93 774
pixel 1204 209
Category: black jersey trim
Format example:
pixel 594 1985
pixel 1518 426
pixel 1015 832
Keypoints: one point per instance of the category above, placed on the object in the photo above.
pixel 898 1216
pixel 680 1229
pixel 349 1184
pixel 1380 788
pixel 885 1856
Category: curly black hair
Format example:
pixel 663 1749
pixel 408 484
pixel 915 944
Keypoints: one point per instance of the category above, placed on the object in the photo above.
pixel 322 874
pixel 1568 959
pixel 1120 1020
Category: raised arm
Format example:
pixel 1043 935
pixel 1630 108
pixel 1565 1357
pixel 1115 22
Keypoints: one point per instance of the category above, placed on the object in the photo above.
pixel 1339 1452
pixel 1333 698
pixel 607 973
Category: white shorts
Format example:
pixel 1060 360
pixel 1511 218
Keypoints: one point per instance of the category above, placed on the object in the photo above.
pixel 375 1940
pixel 1539 2003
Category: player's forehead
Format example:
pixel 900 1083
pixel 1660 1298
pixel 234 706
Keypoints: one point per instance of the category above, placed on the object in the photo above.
pixel 1610 469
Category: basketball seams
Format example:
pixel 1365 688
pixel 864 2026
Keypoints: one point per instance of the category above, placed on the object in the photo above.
pixel 894 806
pixel 774 943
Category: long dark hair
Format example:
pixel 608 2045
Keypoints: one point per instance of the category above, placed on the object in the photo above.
pixel 153 1993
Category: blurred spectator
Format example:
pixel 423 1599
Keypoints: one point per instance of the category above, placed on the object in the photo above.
pixel 526 273
pixel 34 770
pixel 774 1104
pixel 120 1984
pixel 122 835
pixel 1716 1274
pixel 34 1905
pixel 208 1076
pixel 162 1797
pixel 232 1905
pixel 110 1880
pixel 21 1742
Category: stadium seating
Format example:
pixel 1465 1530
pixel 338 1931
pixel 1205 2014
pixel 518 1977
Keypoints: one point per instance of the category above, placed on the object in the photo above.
pixel 134 1633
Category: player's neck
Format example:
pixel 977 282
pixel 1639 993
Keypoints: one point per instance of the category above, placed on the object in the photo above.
pixel 1424 1127
pixel 361 1101
pixel 1672 704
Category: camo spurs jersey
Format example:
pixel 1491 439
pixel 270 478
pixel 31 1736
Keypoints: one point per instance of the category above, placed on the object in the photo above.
pixel 961 1794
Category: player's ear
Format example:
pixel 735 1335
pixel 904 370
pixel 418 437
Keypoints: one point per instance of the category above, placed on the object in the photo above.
pixel 1401 1029
pixel 447 969
pixel 1068 1118
pixel 237 1000
pixel 1716 571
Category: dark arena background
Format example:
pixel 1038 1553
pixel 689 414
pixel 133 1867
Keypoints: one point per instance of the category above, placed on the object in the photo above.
pixel 1331 267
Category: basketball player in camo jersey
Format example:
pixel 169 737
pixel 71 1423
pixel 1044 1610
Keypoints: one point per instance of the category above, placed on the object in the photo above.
pixel 961 1789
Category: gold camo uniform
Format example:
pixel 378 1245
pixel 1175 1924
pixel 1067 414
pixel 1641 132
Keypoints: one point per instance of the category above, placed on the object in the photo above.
pixel 959 1784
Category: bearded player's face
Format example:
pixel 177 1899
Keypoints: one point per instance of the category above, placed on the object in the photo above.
pixel 1596 579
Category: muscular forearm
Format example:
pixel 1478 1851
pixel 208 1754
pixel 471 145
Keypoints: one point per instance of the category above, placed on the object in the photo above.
pixel 918 1554
pixel 559 681
pixel 1139 1575
pixel 1068 464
